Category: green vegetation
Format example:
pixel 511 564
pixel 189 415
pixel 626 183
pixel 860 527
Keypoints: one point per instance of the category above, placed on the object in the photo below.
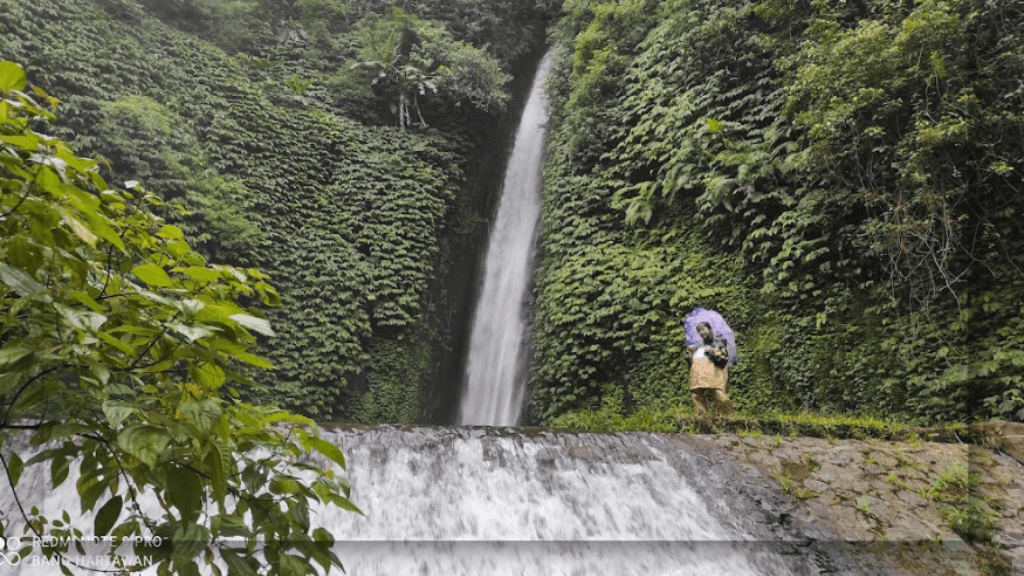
pixel 968 515
pixel 271 146
pixel 758 426
pixel 411 56
pixel 257 119
pixel 840 180
pixel 119 346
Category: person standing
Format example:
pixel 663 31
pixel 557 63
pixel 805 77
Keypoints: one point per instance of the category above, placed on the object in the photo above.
pixel 709 374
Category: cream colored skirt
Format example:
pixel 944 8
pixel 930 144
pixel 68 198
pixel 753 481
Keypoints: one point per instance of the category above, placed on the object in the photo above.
pixel 704 374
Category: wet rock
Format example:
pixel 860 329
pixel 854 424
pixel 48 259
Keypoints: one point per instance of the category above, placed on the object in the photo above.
pixel 1014 446
pixel 1015 557
pixel 546 457
pixel 1007 540
pixel 1006 436
pixel 911 499
pixel 879 492
pixel 815 485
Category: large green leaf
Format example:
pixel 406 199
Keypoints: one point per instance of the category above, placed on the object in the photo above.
pixel 186 491
pixel 327 449
pixel 293 566
pixel 237 565
pixel 203 414
pixel 253 323
pixel 219 465
pixel 144 442
pixel 152 275
pixel 20 281
pixel 59 468
pixel 107 515
pixel 11 357
pixel 117 411
pixel 12 77
pixel 203 274
pixel 15 466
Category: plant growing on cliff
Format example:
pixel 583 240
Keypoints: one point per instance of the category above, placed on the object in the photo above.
pixel 117 344
pixel 864 504
pixel 966 514
pixel 971 520
pixel 412 58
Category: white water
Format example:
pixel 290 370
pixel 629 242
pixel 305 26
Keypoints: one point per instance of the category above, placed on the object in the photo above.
pixel 495 379
pixel 497 502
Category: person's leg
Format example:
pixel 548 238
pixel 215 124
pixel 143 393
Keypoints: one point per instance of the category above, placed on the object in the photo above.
pixel 699 407
pixel 723 402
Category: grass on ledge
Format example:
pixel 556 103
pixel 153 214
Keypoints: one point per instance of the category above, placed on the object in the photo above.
pixel 682 419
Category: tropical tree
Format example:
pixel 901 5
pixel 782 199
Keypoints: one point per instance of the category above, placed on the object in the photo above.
pixel 118 342
pixel 413 57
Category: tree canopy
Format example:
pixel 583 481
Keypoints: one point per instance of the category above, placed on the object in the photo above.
pixel 412 57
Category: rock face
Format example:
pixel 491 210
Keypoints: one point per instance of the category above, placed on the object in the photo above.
pixel 1005 436
pixel 900 498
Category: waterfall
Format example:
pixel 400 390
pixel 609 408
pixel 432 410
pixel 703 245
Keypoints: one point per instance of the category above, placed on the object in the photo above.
pixel 476 501
pixel 492 501
pixel 495 375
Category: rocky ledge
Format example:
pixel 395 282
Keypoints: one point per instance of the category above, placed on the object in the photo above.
pixel 930 508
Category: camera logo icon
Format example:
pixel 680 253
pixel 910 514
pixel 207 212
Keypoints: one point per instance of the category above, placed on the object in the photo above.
pixel 9 548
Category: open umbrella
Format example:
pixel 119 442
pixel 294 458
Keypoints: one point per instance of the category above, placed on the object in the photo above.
pixel 718 326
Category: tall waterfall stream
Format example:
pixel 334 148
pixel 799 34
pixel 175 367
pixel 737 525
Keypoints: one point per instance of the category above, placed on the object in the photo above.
pixel 495 375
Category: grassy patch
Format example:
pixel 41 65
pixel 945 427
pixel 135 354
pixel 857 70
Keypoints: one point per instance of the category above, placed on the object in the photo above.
pixel 682 419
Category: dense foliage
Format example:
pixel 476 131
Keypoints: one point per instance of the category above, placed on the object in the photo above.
pixel 118 347
pixel 413 58
pixel 255 117
pixel 841 179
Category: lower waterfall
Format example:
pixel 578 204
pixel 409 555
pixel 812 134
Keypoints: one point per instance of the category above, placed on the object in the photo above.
pixel 475 501
pixel 492 501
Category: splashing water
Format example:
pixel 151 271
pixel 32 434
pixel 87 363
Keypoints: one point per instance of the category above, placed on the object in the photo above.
pixel 488 501
pixel 485 501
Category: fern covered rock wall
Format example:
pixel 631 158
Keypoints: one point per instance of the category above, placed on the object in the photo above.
pixel 841 180
pixel 285 160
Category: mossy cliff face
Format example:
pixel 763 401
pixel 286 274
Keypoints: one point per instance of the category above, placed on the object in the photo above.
pixel 912 503
pixel 798 167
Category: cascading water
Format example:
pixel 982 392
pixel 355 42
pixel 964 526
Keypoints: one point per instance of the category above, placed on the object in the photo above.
pixel 495 380
pixel 474 501
pixel 490 502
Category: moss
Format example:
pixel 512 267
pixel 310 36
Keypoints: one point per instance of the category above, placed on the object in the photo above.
pixel 393 394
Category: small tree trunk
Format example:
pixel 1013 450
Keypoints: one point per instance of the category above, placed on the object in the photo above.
pixel 403 110
pixel 416 104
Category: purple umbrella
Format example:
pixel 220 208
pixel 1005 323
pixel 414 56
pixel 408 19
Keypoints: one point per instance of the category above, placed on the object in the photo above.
pixel 718 326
